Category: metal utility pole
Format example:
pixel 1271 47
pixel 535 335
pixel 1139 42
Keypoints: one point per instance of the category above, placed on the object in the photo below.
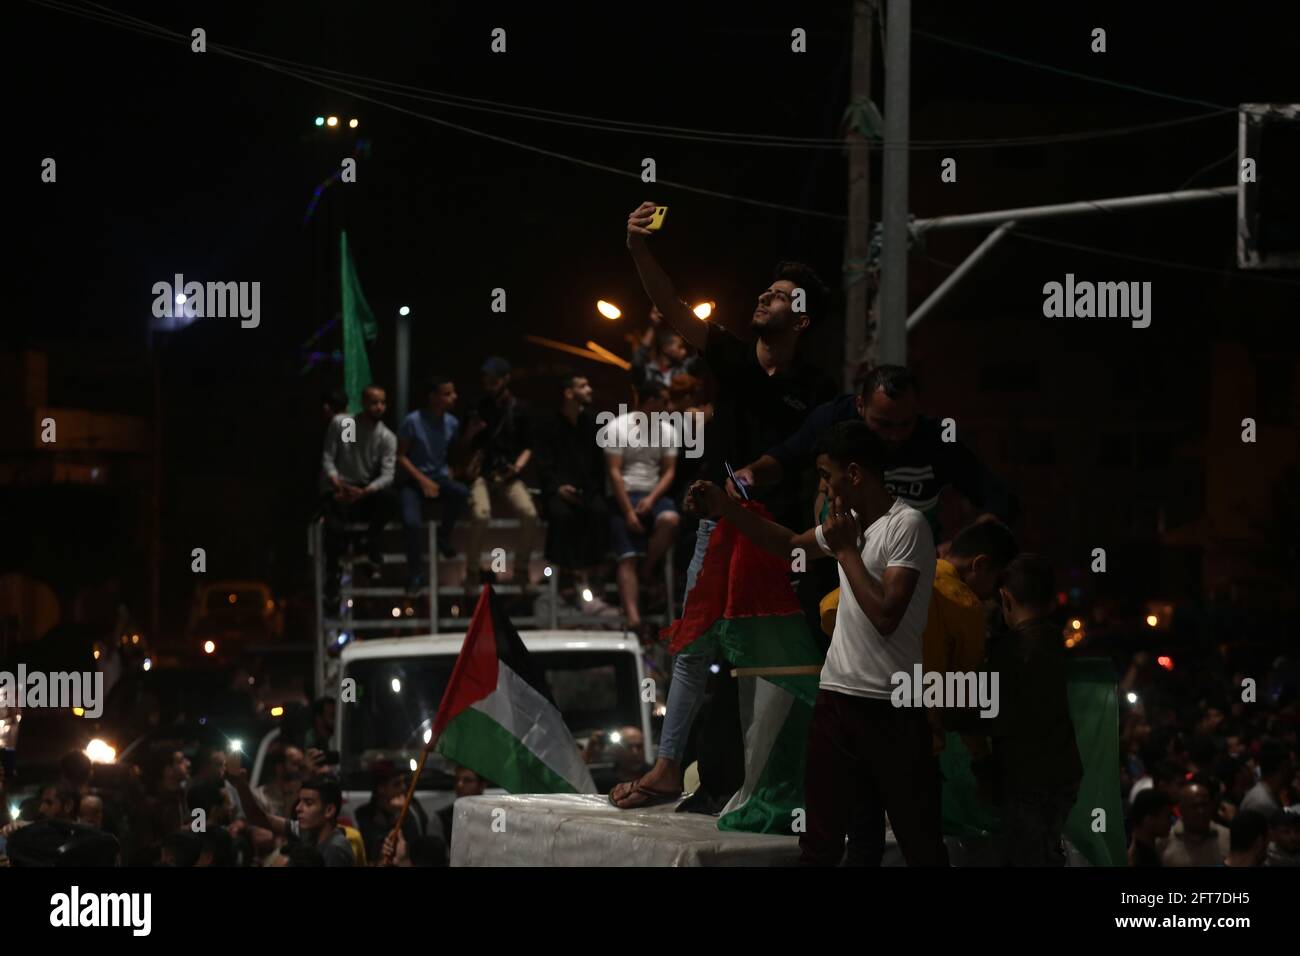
pixel 891 334
pixel 858 240
pixel 403 376
pixel 1006 221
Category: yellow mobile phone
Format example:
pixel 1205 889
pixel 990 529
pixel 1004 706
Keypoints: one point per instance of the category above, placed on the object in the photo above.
pixel 656 223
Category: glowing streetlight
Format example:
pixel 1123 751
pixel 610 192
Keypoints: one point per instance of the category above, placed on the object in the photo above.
pixel 100 752
pixel 704 309
pixel 209 647
pixel 332 121
pixel 404 310
pixel 1152 620
pixel 609 310
pixel 352 124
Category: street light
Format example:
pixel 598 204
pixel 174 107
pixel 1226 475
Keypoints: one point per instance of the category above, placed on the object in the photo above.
pixel 353 123
pixel 332 121
pixel 609 310
pixel 704 309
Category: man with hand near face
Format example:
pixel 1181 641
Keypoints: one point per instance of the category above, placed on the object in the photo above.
pixel 866 757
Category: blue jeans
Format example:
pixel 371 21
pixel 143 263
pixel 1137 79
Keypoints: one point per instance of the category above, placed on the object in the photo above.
pixel 690 671
pixel 454 498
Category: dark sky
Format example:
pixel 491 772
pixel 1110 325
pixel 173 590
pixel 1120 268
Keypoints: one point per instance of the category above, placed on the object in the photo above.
pixel 171 161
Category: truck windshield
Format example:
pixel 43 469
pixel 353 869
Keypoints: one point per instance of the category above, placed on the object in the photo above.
pixel 397 699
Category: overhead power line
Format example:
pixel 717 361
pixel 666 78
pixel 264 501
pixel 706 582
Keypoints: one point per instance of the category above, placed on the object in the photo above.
pixel 605 124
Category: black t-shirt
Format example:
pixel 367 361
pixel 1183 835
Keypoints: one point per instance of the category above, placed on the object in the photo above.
pixel 917 471
pixel 507 433
pixel 754 411
pixel 568 454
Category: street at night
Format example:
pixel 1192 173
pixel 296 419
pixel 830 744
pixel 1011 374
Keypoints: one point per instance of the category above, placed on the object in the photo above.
pixel 773 436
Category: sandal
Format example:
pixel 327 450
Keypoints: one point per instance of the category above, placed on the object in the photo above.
pixel 651 798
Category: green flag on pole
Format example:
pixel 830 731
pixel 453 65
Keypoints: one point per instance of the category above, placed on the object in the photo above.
pixel 358 328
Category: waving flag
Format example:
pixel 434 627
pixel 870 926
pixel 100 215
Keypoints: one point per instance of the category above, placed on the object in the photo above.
pixel 742 604
pixel 497 716
pixel 358 327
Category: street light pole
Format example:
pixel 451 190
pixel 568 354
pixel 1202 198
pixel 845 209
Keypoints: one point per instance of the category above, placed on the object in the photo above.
pixel 857 243
pixel 891 334
pixel 403 340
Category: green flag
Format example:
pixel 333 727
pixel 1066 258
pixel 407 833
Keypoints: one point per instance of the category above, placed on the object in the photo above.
pixel 1094 711
pixel 358 328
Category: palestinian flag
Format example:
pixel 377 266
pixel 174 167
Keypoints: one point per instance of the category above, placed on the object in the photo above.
pixel 497 716
pixel 743 606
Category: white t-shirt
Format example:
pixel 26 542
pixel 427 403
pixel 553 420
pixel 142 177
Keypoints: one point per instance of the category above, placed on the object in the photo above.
pixel 861 661
pixel 641 471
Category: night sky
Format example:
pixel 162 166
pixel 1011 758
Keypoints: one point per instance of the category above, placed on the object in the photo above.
pixel 203 164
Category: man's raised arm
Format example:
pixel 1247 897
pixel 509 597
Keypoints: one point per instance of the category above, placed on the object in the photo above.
pixel 656 282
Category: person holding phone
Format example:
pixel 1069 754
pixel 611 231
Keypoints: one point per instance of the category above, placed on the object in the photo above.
pixel 763 392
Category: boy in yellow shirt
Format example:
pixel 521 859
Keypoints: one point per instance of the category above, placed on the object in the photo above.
pixel 955 631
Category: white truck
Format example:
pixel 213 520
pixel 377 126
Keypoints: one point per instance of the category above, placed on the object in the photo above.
pixel 595 678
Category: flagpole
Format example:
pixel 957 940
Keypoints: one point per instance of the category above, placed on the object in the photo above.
pixel 415 779
pixel 433 741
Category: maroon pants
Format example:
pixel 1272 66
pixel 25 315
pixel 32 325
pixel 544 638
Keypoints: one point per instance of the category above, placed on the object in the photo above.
pixel 867 758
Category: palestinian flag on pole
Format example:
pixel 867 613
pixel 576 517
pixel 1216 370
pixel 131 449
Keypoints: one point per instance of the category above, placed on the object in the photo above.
pixel 497 716
pixel 742 605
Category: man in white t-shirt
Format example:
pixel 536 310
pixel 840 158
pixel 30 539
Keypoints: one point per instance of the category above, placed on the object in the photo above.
pixel 642 465
pixel 866 757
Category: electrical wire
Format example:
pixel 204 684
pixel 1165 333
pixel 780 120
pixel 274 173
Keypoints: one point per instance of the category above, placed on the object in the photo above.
pixel 1132 88
pixel 1205 169
pixel 602 124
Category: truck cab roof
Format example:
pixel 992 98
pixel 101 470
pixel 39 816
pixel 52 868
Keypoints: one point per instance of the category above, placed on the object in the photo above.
pixel 432 645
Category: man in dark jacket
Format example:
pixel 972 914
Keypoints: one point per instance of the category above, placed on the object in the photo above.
pixel 571 465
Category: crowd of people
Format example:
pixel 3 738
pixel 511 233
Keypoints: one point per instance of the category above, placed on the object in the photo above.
pixel 171 807
pixel 910 598
pixel 1208 761
pixel 607 504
